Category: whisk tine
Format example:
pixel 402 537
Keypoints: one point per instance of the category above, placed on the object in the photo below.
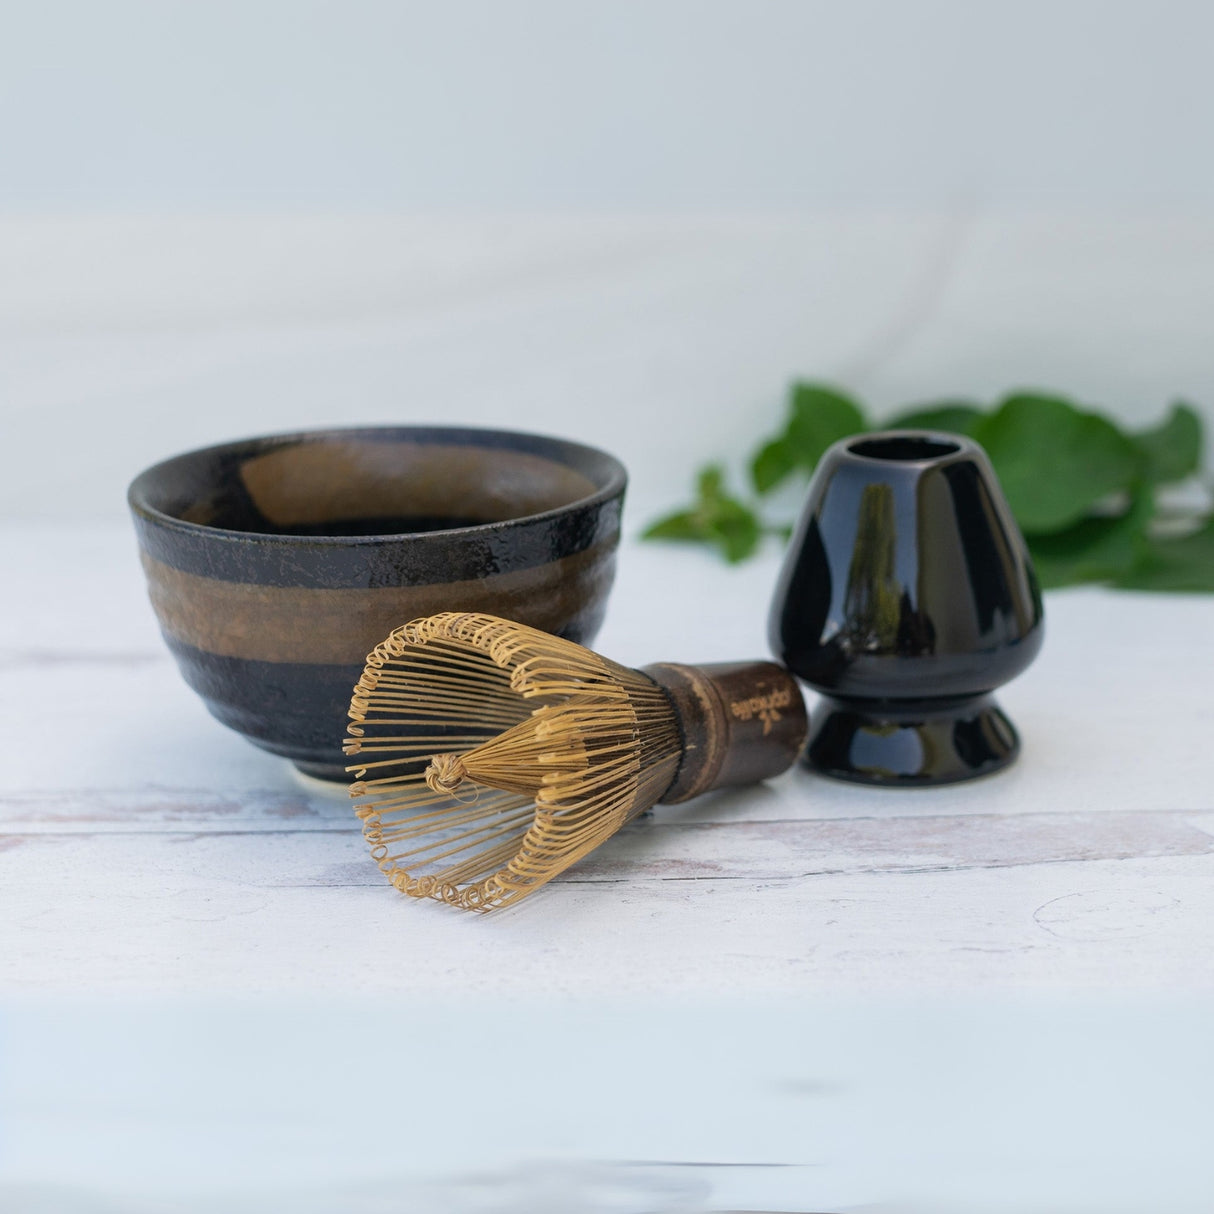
pixel 534 761
pixel 503 755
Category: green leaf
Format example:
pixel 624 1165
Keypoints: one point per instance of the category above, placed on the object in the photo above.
pixel 952 418
pixel 1185 564
pixel 1095 549
pixel 735 529
pixel 715 518
pixel 1055 462
pixel 1061 467
pixel 1172 450
pixel 710 481
pixel 773 463
pixel 819 416
pixel 681 525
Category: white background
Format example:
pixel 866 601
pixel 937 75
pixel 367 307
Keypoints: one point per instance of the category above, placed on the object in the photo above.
pixel 637 104
pixel 631 223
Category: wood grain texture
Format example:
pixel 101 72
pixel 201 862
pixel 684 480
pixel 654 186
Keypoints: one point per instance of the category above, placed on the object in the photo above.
pixel 144 849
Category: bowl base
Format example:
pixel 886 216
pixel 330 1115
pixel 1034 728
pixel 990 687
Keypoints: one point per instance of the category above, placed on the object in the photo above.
pixel 910 743
pixel 330 773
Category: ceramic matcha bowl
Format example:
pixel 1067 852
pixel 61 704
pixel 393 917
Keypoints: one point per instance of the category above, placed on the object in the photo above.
pixel 276 564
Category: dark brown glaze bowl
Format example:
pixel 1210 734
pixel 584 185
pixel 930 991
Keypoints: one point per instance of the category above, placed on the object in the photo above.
pixel 276 564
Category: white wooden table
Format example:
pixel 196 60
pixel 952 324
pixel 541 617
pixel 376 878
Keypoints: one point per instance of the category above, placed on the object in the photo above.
pixel 936 985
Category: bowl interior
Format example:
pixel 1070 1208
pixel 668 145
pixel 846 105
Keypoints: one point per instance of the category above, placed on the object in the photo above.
pixel 374 482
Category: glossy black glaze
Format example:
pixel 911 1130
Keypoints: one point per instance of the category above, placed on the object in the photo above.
pixel 276 564
pixel 906 597
pixel 287 708
pixel 225 535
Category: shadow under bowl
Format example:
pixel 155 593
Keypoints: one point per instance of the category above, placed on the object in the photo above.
pixel 276 564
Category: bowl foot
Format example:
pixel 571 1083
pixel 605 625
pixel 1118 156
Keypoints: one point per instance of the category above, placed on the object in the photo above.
pixel 919 743
pixel 334 773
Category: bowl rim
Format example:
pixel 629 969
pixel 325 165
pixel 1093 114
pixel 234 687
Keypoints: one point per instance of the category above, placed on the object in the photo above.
pixel 614 476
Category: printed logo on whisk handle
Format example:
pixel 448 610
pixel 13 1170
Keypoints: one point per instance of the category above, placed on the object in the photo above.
pixel 765 707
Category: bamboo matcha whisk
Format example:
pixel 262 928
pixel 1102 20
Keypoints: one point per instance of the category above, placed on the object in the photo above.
pixel 491 756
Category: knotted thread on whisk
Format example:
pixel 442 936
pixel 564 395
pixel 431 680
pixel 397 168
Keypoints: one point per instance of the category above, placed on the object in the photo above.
pixel 445 773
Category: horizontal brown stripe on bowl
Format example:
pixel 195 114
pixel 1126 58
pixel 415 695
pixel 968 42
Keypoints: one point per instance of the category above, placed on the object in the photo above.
pixel 341 626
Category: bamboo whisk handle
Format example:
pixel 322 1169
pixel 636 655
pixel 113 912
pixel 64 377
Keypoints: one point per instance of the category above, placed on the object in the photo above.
pixel 741 722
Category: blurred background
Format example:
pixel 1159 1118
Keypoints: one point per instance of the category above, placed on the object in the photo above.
pixel 631 223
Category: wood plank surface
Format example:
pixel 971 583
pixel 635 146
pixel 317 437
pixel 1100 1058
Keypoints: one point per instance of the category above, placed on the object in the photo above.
pixel 143 848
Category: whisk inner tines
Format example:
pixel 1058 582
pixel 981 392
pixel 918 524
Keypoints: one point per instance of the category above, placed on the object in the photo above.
pixel 491 756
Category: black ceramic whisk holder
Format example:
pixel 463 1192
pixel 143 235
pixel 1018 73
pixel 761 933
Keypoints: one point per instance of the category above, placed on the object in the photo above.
pixel 906 598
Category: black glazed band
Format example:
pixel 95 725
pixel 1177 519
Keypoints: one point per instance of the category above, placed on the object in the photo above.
pixel 414 558
pixel 434 557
